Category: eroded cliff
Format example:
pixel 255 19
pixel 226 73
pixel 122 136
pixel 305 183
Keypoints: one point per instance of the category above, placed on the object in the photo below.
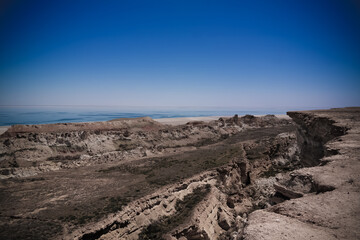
pixel 236 178
pixel 329 207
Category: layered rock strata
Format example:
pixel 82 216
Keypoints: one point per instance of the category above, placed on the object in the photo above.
pixel 233 178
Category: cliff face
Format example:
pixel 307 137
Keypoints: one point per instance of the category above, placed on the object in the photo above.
pixel 313 133
pixel 287 175
pixel 330 210
pixel 68 180
pixel 233 190
pixel 27 150
pixel 238 178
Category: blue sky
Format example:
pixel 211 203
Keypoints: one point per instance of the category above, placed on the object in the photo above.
pixel 254 54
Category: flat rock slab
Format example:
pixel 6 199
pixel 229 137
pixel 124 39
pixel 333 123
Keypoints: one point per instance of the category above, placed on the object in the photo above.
pixel 338 211
pixel 3 129
pixel 268 225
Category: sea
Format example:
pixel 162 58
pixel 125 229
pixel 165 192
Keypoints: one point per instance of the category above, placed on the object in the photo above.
pixel 10 115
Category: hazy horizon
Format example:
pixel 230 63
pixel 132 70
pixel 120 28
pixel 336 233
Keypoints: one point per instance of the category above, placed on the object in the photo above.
pixel 237 54
pixel 287 108
pixel 11 115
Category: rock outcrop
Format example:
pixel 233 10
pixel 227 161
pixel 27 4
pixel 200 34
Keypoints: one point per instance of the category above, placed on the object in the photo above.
pixel 235 178
pixel 58 178
pixel 329 207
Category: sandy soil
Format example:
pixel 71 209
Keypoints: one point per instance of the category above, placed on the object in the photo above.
pixel 3 129
pixel 184 120
pixel 169 121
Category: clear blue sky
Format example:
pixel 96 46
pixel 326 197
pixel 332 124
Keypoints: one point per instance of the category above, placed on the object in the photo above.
pixel 180 53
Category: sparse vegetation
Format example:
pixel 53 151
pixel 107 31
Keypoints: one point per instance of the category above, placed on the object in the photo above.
pixel 64 157
pixel 115 204
pixel 161 171
pixel 125 145
pixel 14 164
pixel 80 216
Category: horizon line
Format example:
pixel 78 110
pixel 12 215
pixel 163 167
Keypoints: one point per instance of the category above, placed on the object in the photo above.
pixel 163 106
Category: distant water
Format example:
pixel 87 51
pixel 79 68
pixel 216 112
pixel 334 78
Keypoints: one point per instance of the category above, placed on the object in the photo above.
pixel 57 114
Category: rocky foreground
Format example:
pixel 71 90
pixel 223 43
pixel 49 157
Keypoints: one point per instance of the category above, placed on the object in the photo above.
pixel 232 178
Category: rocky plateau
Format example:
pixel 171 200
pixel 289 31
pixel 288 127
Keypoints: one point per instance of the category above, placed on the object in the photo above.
pixel 232 178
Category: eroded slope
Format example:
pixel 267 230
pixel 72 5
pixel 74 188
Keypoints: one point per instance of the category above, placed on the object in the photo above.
pixel 236 178
pixel 332 210
pixel 56 180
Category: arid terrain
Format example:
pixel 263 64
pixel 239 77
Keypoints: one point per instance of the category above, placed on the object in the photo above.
pixel 225 178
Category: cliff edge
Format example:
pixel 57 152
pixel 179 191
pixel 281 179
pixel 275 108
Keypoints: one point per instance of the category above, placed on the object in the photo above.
pixel 332 210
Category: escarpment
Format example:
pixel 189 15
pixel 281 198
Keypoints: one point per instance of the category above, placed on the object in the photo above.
pixel 326 206
pixel 27 150
pixel 227 197
pixel 233 178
